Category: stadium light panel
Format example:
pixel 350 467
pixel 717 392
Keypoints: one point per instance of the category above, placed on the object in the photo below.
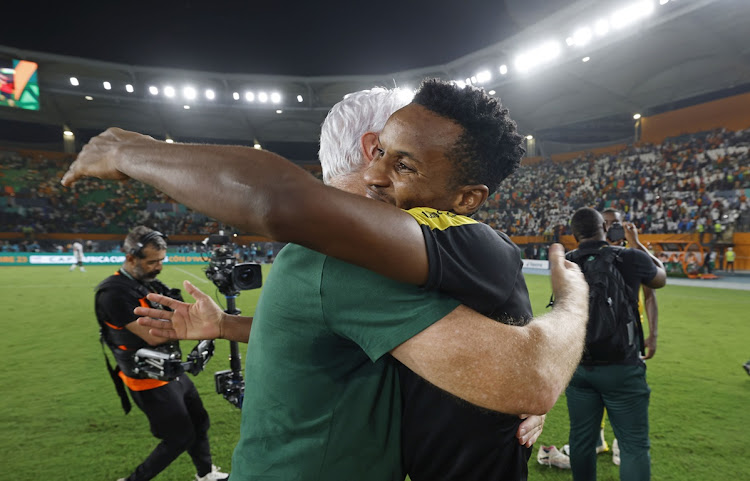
pixel 483 76
pixel 585 59
pixel 275 97
pixel 74 81
pixel 631 14
pixel 299 98
pixel 503 69
pixel 529 137
pixel 153 90
pixel 89 97
pixel 107 85
pixel 210 94
pixel 544 53
pixel 169 91
pixel 582 36
pixel 236 95
pixel 186 107
pixel 189 93
pixel 262 97
pixel 169 140
pixel 492 92
pixel 129 88
pixel 67 133
pixel 279 111
pixel 636 116
pixel 256 145
pixel 601 27
pixel 249 96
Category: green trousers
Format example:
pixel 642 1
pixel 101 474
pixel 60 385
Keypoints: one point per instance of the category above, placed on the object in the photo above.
pixel 623 390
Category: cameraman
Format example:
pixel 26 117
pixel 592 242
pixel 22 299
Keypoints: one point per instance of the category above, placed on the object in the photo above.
pixel 173 407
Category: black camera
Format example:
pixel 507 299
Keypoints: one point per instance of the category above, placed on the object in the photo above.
pixel 616 232
pixel 230 384
pixel 224 271
pixel 167 366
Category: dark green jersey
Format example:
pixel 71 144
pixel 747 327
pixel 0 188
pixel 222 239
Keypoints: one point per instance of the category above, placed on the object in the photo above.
pixel 322 401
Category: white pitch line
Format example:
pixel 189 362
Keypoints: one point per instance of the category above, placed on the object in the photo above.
pixel 202 279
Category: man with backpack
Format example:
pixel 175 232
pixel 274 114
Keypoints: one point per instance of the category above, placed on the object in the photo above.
pixel 612 373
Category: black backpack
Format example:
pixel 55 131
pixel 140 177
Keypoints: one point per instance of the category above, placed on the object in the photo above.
pixel 614 322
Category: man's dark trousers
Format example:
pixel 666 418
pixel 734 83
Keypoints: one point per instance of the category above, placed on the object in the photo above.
pixel 177 417
pixel 623 390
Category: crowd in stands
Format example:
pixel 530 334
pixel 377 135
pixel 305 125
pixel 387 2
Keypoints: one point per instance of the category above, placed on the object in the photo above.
pixel 667 188
pixel 680 186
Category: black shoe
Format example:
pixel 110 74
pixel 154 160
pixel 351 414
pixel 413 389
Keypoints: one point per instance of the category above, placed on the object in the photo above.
pixel 747 367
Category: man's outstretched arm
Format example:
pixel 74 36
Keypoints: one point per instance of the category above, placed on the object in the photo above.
pixel 264 194
pixel 512 369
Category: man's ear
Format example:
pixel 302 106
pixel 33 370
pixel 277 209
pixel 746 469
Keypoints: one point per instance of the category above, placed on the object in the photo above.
pixel 369 145
pixel 470 198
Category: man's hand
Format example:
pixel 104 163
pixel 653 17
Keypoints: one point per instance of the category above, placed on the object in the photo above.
pixel 631 235
pixel 530 429
pixel 201 320
pixel 566 277
pixel 98 158
pixel 650 344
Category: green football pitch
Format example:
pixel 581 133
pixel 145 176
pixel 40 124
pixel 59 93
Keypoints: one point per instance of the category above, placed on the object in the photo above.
pixel 61 419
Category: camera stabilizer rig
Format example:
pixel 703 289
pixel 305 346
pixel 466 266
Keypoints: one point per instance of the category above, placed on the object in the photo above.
pixel 166 366
pixel 231 278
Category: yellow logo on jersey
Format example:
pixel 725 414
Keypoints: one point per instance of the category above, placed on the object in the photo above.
pixel 438 219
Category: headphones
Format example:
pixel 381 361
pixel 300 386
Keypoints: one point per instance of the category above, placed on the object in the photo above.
pixel 137 250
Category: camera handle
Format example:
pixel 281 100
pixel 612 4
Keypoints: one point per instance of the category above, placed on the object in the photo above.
pixel 230 384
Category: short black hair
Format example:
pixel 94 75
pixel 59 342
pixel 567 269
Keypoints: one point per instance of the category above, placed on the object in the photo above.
pixel 489 150
pixel 586 223
pixel 610 210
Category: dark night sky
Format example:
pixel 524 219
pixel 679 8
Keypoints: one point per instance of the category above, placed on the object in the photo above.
pixel 273 37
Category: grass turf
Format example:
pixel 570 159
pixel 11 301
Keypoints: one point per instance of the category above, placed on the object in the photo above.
pixel 61 418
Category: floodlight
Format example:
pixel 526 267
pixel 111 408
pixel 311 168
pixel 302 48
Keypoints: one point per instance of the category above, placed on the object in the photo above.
pixel 236 95
pixel 636 116
pixel 503 69
pixel 582 36
pixel 484 76
pixel 89 97
pixel 210 94
pixel 262 97
pixel 256 145
pixel 632 13
pixel 543 53
pixel 492 92
pixel 529 137
pixel 299 98
pixel 169 91
pixel 74 81
pixel 601 27
pixel 249 96
pixel 189 93
pixel 585 59
pixel 129 88
pixel 186 107
pixel 279 111
pixel 107 85
pixel 153 90
pixel 275 97
pixel 67 133
pixel 169 140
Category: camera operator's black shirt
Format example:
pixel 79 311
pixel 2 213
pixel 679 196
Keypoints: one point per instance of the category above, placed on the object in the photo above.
pixel 114 310
pixel 444 437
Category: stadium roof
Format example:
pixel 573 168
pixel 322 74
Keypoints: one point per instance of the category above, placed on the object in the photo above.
pixel 681 52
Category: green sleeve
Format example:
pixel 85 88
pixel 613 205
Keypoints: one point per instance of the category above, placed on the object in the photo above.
pixel 375 312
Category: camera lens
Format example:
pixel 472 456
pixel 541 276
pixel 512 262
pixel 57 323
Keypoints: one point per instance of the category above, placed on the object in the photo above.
pixel 247 276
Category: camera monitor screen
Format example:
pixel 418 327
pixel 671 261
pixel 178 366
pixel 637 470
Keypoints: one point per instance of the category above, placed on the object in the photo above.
pixel 18 84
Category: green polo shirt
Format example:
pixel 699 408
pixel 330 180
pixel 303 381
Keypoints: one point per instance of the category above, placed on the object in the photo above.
pixel 322 401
